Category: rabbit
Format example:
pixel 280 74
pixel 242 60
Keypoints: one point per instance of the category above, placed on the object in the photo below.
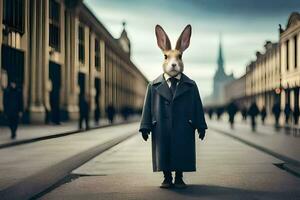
pixel 172 112
pixel 173 64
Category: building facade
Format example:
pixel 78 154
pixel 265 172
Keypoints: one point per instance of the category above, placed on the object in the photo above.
pixel 263 77
pixel 290 62
pixel 236 91
pixel 56 51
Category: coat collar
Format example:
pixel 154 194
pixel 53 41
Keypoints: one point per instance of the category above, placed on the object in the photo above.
pixel 167 76
pixel 163 88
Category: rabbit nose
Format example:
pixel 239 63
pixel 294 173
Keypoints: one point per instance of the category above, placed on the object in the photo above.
pixel 173 65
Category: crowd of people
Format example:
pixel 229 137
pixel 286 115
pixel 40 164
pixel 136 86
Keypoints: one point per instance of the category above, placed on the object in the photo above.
pixel 253 112
pixel 13 111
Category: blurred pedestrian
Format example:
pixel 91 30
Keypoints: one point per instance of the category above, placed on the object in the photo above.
pixel 276 111
pixel 219 113
pixel 263 114
pixel 97 115
pixel 232 110
pixel 54 107
pixel 287 113
pixel 110 112
pixel 13 106
pixel 253 112
pixel 296 115
pixel 210 113
pixel 83 112
pixel 125 110
pixel 244 113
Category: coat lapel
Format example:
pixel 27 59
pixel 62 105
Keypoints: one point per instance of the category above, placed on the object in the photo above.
pixel 164 90
pixel 181 89
pixel 183 86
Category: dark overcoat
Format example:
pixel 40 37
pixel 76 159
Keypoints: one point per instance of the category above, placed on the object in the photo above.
pixel 13 102
pixel 172 121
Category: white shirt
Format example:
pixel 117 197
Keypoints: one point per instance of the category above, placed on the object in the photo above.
pixel 167 76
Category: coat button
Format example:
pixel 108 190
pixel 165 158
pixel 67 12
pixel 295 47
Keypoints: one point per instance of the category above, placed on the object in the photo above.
pixel 190 121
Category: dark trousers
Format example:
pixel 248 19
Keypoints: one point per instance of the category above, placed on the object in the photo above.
pixel 13 125
pixel 168 174
pixel 81 119
pixel 253 123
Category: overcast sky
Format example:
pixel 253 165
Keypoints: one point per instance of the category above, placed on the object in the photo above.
pixel 245 25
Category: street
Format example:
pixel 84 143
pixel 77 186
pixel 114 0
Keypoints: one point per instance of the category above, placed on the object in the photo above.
pixel 31 168
pixel 115 163
pixel 226 169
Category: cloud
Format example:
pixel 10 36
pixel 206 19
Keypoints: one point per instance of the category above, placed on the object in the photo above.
pixel 245 26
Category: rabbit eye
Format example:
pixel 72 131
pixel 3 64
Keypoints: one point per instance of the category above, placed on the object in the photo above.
pixel 180 56
pixel 166 56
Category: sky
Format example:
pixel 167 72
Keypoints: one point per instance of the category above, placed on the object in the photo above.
pixel 243 26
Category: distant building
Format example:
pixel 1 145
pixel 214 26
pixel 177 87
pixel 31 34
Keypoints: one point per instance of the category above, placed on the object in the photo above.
pixel 57 50
pixel 220 79
pixel 263 77
pixel 124 41
pixel 290 61
pixel 236 91
pixel 274 76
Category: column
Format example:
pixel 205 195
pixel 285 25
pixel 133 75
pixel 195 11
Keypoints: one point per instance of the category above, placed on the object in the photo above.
pixel 292 99
pixel 67 68
pixel 45 55
pixel 92 90
pixel 282 105
pixel 70 70
pixel 25 43
pixel 36 65
pixel 73 73
pixel 39 72
pixel 102 77
pixel 33 55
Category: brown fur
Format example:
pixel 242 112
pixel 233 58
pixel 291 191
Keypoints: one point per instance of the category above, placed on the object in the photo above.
pixel 173 64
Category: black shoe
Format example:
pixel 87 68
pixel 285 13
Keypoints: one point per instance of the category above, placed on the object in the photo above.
pixel 179 183
pixel 167 183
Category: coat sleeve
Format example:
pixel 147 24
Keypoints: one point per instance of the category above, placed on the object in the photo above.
pixel 146 119
pixel 200 122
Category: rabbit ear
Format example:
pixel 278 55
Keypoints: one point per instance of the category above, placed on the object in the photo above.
pixel 183 41
pixel 162 38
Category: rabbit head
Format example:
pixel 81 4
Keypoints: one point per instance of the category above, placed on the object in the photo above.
pixel 173 64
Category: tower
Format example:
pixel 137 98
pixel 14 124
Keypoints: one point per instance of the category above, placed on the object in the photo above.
pixel 124 40
pixel 220 59
pixel 220 77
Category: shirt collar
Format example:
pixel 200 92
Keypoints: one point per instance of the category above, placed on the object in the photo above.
pixel 167 76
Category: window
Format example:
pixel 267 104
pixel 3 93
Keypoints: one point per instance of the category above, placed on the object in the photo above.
pixel 287 55
pixel 54 24
pixel 296 50
pixel 81 43
pixel 13 15
pixel 97 55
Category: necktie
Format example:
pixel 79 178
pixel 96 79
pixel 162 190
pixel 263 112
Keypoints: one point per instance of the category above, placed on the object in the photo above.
pixel 173 81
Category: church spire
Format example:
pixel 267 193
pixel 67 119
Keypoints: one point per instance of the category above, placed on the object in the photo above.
pixel 220 56
pixel 124 40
